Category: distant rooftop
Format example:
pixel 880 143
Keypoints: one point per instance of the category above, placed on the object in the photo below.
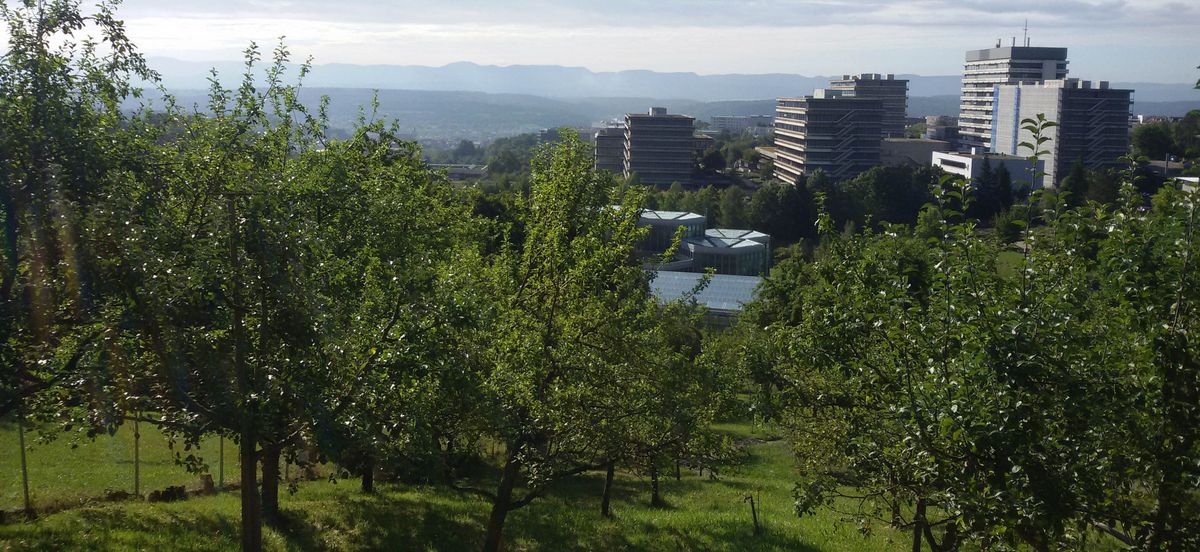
pixel 678 216
pixel 915 141
pixel 1017 52
pixel 984 155
pixel 722 243
pixel 660 112
pixel 726 233
pixel 723 294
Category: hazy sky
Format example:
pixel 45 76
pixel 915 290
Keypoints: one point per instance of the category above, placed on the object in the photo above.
pixel 1120 40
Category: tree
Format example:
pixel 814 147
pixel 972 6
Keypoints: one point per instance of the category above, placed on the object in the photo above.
pixel 907 377
pixel 732 208
pixel 673 198
pixel 465 151
pixel 274 270
pixel 988 195
pixel 712 161
pixel 1153 140
pixel 1076 185
pixel 1187 135
pixel 564 304
pixel 66 148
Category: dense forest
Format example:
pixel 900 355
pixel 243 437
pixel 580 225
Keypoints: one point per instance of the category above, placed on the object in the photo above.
pixel 238 272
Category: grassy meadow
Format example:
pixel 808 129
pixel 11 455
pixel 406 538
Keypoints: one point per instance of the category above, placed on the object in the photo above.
pixel 701 514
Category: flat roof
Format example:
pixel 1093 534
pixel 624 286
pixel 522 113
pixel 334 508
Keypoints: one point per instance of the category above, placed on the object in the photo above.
pixel 679 216
pixel 1017 52
pixel 723 293
pixel 722 243
pixel 649 116
pixel 961 155
pixel 728 233
pixel 915 141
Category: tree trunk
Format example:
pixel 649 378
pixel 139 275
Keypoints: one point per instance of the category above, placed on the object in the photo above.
pixel 500 508
pixel 655 496
pixel 678 474
pixel 918 525
pixel 270 482
pixel 608 485
pixel 251 506
pixel 368 476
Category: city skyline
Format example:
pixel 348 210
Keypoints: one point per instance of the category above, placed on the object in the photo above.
pixel 1134 40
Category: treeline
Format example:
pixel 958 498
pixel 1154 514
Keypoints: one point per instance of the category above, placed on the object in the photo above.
pixel 1179 139
pixel 789 213
pixel 978 396
pixel 240 272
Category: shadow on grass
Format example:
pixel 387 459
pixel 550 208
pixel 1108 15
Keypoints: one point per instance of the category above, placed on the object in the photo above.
pixel 425 518
pixel 382 521
pixel 121 529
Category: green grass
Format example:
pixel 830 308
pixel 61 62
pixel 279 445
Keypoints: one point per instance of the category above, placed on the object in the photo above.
pixel 72 468
pixel 701 515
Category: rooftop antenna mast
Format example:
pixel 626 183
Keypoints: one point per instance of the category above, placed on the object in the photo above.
pixel 1026 32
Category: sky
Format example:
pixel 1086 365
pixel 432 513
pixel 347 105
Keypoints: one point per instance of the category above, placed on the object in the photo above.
pixel 1117 40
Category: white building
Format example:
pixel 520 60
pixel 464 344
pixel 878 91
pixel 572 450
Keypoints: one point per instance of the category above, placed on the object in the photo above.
pixel 1092 123
pixel 970 166
pixel 985 69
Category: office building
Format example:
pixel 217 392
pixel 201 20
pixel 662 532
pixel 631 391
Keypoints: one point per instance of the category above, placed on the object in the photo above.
pixel 987 69
pixel 734 256
pixel 1092 123
pixel 610 150
pixel 738 252
pixel 970 165
pixel 756 125
pixel 660 149
pixel 910 151
pixel 723 298
pixel 828 131
pixel 663 225
pixel 892 92
pixel 942 128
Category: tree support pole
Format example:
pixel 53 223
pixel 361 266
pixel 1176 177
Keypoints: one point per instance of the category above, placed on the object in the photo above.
pixel 24 466
pixel 137 458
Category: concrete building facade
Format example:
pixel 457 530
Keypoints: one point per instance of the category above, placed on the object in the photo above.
pixel 659 148
pixel 756 125
pixel 892 92
pixel 663 225
pixel 610 150
pixel 910 151
pixel 970 165
pixel 840 135
pixel 987 69
pixel 729 255
pixel 1093 123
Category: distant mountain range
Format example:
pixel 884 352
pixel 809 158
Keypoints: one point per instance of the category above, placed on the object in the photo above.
pixel 554 81
pixel 478 102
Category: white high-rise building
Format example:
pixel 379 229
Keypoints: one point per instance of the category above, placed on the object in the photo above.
pixel 1092 123
pixel 987 69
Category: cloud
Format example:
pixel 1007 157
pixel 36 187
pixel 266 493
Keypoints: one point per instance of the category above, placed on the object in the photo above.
pixel 1110 39
pixel 690 13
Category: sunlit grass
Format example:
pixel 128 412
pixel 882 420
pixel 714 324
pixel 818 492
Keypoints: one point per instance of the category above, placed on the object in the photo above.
pixel 71 467
pixel 701 514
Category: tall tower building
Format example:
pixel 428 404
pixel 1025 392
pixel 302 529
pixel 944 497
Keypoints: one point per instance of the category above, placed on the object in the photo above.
pixel 987 69
pixel 892 92
pixel 840 135
pixel 1093 123
pixel 659 148
pixel 610 150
